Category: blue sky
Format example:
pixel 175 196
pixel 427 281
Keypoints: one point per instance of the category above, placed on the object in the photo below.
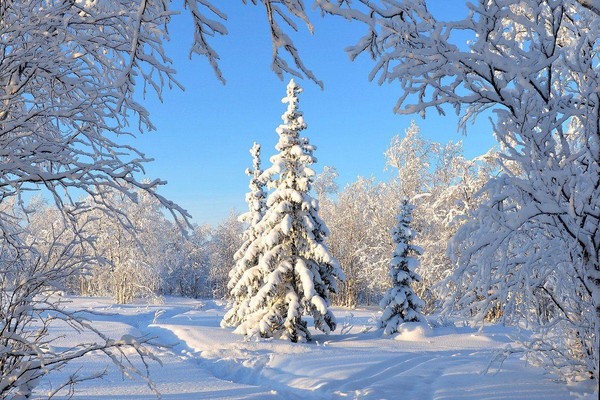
pixel 203 133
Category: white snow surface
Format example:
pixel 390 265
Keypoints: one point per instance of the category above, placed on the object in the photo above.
pixel 355 362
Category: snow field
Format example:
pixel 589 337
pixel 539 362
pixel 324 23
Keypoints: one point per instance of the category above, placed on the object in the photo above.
pixel 205 361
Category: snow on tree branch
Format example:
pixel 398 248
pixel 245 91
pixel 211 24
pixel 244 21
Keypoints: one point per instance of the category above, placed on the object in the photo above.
pixel 68 72
pixel 593 5
pixel 281 13
pixel 535 65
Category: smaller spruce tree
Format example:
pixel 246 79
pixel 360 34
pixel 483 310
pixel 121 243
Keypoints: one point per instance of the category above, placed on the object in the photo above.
pixel 400 304
pixel 247 256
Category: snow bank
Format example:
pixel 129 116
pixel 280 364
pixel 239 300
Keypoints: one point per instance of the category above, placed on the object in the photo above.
pixel 414 332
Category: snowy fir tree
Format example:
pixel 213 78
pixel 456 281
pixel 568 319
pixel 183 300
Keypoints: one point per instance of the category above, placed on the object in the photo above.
pixel 400 304
pixel 296 273
pixel 244 258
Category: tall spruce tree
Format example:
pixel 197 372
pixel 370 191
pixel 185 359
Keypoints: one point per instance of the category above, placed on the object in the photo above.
pixel 295 273
pixel 400 304
pixel 247 256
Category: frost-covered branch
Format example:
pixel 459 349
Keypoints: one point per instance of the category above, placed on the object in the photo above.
pixel 34 264
pixel 281 14
pixel 534 64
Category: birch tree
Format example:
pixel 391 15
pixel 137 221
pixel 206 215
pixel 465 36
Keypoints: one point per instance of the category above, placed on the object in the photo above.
pixel 360 224
pixel 535 65
pixel 226 240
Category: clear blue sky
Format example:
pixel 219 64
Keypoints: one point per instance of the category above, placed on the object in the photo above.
pixel 204 133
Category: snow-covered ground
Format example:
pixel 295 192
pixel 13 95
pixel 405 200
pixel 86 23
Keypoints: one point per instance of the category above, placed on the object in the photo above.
pixel 357 362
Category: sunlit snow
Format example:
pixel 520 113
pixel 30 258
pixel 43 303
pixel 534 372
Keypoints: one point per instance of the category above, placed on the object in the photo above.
pixel 204 361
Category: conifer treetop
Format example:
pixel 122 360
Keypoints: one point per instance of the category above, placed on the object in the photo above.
pixel 295 152
pixel 256 196
pixel 292 118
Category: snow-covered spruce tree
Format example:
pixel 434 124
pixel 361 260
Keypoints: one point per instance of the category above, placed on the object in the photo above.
pixel 243 258
pixel 296 273
pixel 400 304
